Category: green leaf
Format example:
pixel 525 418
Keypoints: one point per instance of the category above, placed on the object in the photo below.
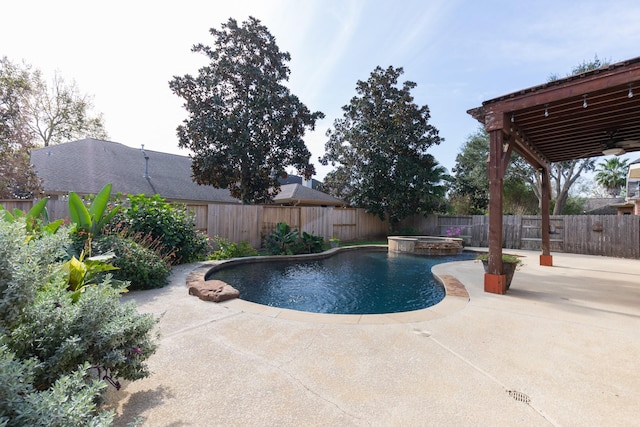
pixel 52 227
pixel 76 271
pixel 5 215
pixel 99 204
pixel 78 213
pixel 38 209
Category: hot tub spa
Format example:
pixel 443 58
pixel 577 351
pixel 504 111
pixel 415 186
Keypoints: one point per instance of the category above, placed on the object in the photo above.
pixel 425 245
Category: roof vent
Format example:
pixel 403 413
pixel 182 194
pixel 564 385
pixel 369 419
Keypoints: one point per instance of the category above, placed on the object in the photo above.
pixel 146 163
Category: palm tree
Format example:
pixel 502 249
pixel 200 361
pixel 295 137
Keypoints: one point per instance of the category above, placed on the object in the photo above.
pixel 612 175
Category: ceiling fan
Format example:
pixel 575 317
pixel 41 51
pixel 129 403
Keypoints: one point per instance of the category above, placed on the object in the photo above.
pixel 617 146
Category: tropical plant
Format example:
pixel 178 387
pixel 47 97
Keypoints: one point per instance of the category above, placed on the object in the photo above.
pixel 281 241
pixel 287 241
pixel 36 219
pixel 90 222
pixel 80 273
pixel 309 243
pixel 244 126
pixel 612 175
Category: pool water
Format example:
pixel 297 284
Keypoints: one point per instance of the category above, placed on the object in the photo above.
pixel 350 282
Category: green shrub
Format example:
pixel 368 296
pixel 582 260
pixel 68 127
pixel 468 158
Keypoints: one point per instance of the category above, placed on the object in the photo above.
pixel 138 263
pixel 227 249
pixel 281 241
pixel 24 265
pixel 173 225
pixel 49 338
pixel 97 329
pixel 309 244
pixel 286 241
pixel 71 401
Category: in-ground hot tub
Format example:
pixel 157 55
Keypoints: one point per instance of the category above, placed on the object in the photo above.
pixel 425 245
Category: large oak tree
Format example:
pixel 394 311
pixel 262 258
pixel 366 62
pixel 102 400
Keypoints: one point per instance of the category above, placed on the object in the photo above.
pixel 379 148
pixel 244 127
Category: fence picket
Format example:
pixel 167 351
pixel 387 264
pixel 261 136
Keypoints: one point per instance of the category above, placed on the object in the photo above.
pixel 608 235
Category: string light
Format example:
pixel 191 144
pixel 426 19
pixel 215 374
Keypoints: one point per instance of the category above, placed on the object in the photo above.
pixel 512 118
pixel 630 94
pixel 584 103
pixel 546 110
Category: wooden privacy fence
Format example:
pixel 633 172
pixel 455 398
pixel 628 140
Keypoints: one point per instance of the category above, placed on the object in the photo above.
pixel 56 208
pixel 608 235
pixel 250 223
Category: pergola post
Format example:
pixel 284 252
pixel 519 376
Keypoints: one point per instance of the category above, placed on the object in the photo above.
pixel 494 281
pixel 545 189
pixel 577 117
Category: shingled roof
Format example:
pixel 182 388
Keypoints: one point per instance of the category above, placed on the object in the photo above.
pixel 297 194
pixel 85 166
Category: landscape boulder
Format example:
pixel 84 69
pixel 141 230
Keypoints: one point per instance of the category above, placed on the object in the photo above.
pixel 213 290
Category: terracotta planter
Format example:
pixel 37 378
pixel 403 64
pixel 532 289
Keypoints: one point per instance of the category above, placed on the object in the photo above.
pixel 508 269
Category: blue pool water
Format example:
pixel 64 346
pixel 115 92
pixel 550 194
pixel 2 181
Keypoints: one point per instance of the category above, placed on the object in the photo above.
pixel 350 282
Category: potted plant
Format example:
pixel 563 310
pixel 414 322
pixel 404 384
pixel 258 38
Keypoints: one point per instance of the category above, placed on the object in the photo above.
pixel 510 263
pixel 334 242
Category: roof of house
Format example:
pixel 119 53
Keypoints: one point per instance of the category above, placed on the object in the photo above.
pixel 87 165
pixel 295 179
pixel 297 194
pixel 602 206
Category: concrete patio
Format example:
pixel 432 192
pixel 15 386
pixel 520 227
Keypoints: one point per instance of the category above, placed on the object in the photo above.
pixel 561 348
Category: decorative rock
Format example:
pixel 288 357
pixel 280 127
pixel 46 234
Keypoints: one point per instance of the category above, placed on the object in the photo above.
pixel 213 290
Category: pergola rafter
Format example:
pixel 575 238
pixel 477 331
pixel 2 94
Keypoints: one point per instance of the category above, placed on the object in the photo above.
pixel 572 118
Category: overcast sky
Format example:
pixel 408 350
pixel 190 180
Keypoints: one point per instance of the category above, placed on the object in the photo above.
pixel 459 53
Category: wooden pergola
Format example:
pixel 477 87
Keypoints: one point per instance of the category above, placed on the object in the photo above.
pixel 586 115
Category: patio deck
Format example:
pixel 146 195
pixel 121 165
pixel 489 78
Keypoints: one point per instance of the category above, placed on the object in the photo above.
pixel 564 338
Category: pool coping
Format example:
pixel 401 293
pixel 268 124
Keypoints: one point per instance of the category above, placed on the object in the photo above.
pixel 456 296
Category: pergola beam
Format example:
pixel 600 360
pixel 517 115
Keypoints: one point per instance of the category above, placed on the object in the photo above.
pixel 571 87
pixel 567 119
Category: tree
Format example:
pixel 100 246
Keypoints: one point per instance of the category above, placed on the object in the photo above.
pixel 562 174
pixel 17 178
pixel 244 126
pixel 61 113
pixel 32 115
pixel 470 183
pixel 612 175
pixel 380 147
pixel 470 187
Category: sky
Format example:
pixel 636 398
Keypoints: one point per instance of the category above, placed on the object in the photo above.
pixel 459 53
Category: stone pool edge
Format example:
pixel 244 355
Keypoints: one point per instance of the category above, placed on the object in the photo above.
pixel 456 297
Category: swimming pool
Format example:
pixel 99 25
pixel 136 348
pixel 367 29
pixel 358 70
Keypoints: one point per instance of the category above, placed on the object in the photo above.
pixel 349 282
